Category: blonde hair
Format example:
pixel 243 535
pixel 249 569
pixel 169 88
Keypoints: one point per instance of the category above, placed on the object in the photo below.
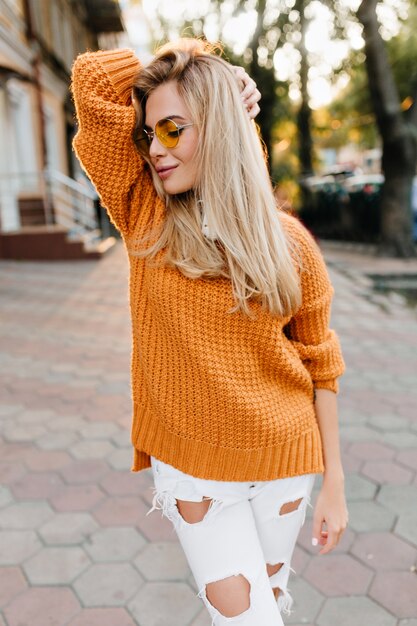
pixel 233 186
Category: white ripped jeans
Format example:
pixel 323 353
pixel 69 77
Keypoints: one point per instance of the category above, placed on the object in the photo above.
pixel 242 531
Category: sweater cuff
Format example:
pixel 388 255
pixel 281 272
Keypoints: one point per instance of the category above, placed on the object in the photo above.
pixel 331 385
pixel 121 66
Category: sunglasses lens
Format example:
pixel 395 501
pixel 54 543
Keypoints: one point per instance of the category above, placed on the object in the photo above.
pixel 167 133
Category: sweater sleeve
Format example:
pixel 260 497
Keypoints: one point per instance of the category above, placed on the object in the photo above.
pixel 308 330
pixel 101 86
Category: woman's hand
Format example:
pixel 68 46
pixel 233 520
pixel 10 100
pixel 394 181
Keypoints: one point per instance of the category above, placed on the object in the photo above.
pixel 250 94
pixel 330 509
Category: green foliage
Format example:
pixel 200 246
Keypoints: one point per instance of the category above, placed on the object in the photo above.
pixel 353 107
pixel 402 51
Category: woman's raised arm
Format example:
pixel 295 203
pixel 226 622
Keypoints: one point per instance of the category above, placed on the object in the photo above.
pixel 101 86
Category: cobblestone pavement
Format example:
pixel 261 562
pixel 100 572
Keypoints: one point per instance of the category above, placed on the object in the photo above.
pixel 76 548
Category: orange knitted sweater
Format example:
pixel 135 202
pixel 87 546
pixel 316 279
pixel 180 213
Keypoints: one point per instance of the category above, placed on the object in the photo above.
pixel 217 395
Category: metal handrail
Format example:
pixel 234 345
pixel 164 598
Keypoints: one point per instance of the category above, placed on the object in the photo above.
pixel 66 201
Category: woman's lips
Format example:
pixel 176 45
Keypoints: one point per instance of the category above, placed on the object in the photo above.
pixel 166 172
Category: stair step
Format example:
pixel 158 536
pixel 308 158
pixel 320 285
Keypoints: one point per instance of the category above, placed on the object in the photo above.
pixel 51 243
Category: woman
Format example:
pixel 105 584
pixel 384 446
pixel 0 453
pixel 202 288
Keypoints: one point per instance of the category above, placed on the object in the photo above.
pixel 234 367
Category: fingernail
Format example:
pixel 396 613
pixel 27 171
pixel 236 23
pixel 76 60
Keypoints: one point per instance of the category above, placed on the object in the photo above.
pixel 314 541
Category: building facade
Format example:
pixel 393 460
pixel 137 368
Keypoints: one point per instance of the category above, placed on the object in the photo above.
pixel 40 179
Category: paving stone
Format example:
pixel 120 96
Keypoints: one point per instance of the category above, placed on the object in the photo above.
pixel 396 591
pixel 370 516
pixel 12 582
pixel 91 449
pixel 108 584
pixel 56 440
pixel 52 565
pixel 68 528
pixel 37 486
pixel 162 561
pixel 41 606
pixel 348 415
pixel 24 515
pixel 120 511
pixel 35 416
pixel 358 488
pixel 17 545
pixel 406 526
pixel 15 452
pixel 398 498
pixel 5 496
pixel 359 433
pixel 384 551
pixel 387 472
pixel 338 575
pixel 388 422
pixel 46 460
pixel 124 483
pixel 120 459
pixel 407 458
pixel 371 451
pixel 102 617
pixel 300 560
pixel 155 527
pixel 164 603
pixel 99 431
pixel 350 463
pixel 10 471
pixel 400 439
pixel 67 422
pixel 77 498
pixel 122 440
pixel 114 544
pixel 202 619
pixel 307 601
pixel 354 611
pixel 81 472
pixel 10 409
pixel 28 432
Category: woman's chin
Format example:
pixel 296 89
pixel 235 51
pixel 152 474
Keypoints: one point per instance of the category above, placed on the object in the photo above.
pixel 173 189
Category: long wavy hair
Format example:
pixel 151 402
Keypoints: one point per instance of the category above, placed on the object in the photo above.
pixel 233 188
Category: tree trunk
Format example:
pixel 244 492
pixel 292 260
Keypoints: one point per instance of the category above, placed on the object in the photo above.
pixel 265 116
pixel 399 165
pixel 399 158
pixel 305 142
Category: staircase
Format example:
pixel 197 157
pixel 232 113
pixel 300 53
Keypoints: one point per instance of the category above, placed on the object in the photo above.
pixel 67 230
pixel 52 243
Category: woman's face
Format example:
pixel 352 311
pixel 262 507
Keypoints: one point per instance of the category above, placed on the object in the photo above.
pixel 176 167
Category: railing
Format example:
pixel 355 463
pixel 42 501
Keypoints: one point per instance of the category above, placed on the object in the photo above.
pixel 65 201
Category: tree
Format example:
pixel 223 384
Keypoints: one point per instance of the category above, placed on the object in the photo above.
pixel 398 130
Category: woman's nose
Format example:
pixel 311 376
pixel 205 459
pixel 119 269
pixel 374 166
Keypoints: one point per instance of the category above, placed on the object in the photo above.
pixel 156 148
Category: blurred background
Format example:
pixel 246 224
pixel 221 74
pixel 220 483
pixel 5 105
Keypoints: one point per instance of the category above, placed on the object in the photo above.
pixel 338 113
pixel 339 122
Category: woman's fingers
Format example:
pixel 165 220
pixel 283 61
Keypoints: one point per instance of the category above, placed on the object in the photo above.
pixel 252 99
pixel 250 94
pixel 331 542
pixel 253 111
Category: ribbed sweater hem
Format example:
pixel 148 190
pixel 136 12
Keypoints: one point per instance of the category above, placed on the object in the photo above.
pixel 296 457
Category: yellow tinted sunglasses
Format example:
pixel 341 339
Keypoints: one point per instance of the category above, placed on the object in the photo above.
pixel 167 131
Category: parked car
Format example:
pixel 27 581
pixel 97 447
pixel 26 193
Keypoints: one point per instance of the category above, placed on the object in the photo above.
pixel 367 183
